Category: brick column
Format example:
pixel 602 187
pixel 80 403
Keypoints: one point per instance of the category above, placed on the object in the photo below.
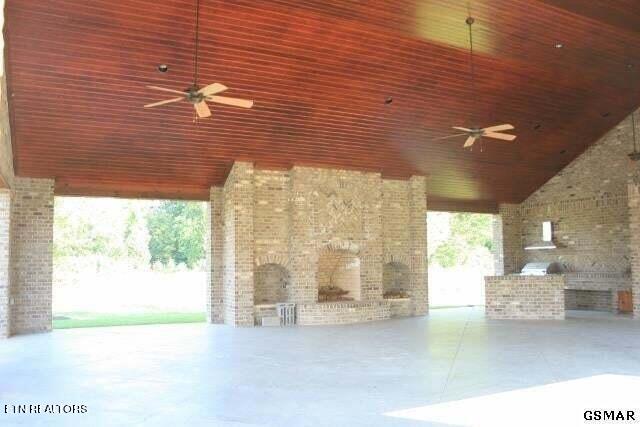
pixel 215 238
pixel 5 211
pixel 303 254
pixel 31 255
pixel 633 200
pixel 418 244
pixel 371 255
pixel 508 253
pixel 238 257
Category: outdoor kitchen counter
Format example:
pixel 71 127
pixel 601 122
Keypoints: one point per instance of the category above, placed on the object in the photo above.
pixel 525 297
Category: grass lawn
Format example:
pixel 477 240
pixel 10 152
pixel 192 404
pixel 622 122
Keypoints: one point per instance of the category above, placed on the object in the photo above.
pixel 92 320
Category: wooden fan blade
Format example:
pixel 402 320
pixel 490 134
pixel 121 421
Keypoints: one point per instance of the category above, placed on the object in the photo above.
pixel 498 128
pixel 450 136
pixel 462 129
pixel 212 89
pixel 469 142
pixel 202 109
pixel 502 136
pixel 168 101
pixel 231 101
pixel 167 90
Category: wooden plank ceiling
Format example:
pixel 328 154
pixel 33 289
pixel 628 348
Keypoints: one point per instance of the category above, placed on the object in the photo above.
pixel 319 72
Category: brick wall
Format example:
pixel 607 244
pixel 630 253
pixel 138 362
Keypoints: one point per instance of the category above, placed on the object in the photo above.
pixel 214 246
pixel 525 297
pixel 418 292
pixel 338 313
pixel 589 203
pixel 238 257
pixel 396 277
pixel 289 218
pixel 31 255
pixel 271 221
pixel 395 220
pixel 634 238
pixel 6 155
pixel 507 236
pixel 272 284
pixel 580 299
pixel 335 207
pixel 5 210
pixel 400 307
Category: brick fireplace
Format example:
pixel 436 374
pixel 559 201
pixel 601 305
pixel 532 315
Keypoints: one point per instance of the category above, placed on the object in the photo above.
pixel 344 246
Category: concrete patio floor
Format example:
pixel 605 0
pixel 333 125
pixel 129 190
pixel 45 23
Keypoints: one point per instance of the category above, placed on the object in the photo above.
pixel 198 374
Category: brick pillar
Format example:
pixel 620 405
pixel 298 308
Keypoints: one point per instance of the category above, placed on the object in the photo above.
pixel 303 254
pixel 31 255
pixel 508 253
pixel 215 237
pixel 498 250
pixel 418 244
pixel 5 211
pixel 238 257
pixel 633 200
pixel 371 255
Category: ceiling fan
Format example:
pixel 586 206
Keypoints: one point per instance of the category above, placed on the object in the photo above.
pixel 475 133
pixel 199 97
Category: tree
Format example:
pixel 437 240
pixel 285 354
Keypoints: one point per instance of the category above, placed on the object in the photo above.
pixel 475 229
pixel 469 235
pixel 136 237
pixel 176 232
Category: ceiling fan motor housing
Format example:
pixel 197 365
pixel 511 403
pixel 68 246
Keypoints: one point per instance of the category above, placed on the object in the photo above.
pixel 193 96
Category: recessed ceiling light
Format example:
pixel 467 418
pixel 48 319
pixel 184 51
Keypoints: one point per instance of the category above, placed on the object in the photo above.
pixel 163 68
pixel 558 45
pixel 388 100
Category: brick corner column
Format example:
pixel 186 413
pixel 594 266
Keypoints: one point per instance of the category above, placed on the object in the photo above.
pixel 31 255
pixel 5 224
pixel 507 238
pixel 633 200
pixel 215 237
pixel 238 254
pixel 419 292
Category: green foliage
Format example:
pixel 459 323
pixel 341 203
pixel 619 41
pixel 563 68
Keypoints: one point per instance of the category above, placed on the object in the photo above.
pixel 475 229
pixel 79 237
pixel 468 235
pixel 176 232
pixel 448 254
pixel 109 232
pixel 136 237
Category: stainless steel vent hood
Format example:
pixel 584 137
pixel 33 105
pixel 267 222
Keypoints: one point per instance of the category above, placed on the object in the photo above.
pixel 547 238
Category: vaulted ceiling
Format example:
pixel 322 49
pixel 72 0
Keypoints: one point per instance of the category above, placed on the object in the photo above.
pixel 319 72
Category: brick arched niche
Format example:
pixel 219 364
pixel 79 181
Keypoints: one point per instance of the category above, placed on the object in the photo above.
pixel 338 269
pixel 396 280
pixel 271 283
